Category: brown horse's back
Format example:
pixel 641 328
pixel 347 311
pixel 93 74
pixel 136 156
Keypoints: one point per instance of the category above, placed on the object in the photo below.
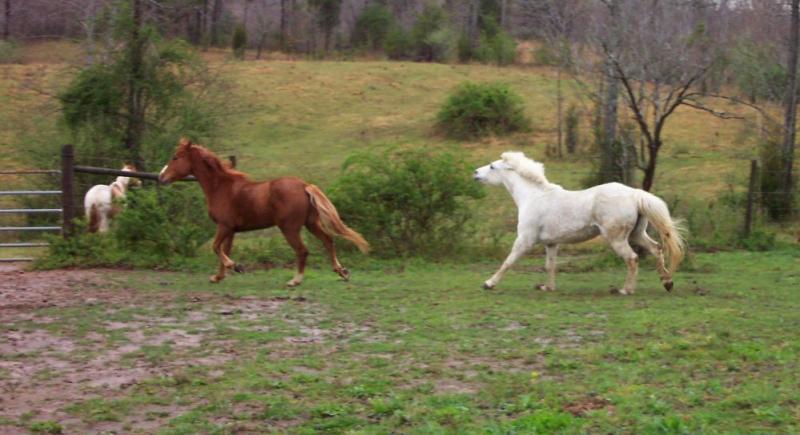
pixel 282 201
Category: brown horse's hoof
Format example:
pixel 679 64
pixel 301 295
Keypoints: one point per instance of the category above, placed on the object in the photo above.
pixel 238 268
pixel 344 273
pixel 668 286
pixel 215 279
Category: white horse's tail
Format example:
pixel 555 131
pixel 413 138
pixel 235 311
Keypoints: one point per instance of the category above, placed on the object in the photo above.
pixel 671 231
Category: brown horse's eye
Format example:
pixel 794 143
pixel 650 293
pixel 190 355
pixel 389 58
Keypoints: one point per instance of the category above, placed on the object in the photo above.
pixel 174 157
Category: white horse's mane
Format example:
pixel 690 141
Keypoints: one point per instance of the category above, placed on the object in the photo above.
pixel 528 168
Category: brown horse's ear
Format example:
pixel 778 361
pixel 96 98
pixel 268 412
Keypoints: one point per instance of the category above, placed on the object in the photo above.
pixel 185 141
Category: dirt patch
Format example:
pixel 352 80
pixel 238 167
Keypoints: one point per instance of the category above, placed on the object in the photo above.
pixel 42 372
pixel 582 407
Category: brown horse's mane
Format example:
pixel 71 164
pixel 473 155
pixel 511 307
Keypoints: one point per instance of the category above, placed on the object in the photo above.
pixel 213 162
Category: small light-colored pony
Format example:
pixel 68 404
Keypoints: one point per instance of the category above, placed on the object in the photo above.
pixel 101 202
pixel 551 215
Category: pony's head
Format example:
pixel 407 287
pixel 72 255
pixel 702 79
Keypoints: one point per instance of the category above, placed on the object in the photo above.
pixel 130 167
pixel 180 166
pixel 493 173
pixel 516 162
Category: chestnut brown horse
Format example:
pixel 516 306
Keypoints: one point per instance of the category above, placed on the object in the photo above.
pixel 236 204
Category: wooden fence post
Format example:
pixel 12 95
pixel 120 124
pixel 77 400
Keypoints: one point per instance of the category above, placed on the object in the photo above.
pixel 751 193
pixel 67 192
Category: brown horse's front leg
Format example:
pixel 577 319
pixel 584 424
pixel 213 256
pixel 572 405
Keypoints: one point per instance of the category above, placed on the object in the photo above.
pixel 223 242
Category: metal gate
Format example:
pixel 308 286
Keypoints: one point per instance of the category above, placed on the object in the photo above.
pixel 11 211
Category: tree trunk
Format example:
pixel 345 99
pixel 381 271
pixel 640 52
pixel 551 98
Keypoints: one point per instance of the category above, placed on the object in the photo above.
pixel 135 127
pixel 284 24
pixel 7 27
pixel 560 101
pixel 472 25
pixel 790 113
pixel 609 151
pixel 650 169
pixel 504 14
pixel 216 15
pixel 261 42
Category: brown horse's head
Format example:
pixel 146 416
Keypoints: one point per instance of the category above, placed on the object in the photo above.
pixel 180 165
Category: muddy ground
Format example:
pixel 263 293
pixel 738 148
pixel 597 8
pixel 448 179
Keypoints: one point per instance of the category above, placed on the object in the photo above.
pixel 46 365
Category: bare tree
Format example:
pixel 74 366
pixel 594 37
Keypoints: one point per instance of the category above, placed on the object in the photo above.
pixel 7 23
pixel 659 60
pixel 790 110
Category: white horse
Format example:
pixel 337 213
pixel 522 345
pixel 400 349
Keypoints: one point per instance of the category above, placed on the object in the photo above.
pixel 551 215
pixel 99 205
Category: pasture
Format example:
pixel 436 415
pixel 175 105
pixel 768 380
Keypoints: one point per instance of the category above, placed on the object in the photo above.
pixel 408 345
pixel 413 348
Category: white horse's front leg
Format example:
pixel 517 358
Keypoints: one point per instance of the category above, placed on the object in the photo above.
pixel 550 265
pixel 521 246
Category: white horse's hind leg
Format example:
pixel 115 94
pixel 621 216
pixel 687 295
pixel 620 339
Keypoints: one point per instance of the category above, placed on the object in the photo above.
pixel 624 250
pixel 643 240
pixel 550 265
pixel 521 246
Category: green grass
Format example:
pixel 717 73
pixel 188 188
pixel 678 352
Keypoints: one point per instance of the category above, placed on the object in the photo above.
pixel 422 349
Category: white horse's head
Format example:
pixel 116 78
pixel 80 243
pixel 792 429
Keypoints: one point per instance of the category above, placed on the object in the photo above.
pixel 516 162
pixel 491 173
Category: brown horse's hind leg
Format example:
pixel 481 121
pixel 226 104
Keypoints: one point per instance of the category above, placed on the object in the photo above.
pixel 327 240
pixel 223 242
pixel 292 236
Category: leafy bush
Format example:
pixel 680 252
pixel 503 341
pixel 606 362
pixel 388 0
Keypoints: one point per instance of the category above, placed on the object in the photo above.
pixel 428 39
pixel 500 49
pixel 156 229
pixel 406 203
pixel 9 52
pixel 398 43
pixel 239 43
pixel 774 199
pixel 164 222
pixel 176 93
pixel 372 27
pixel 479 109
pixel 572 125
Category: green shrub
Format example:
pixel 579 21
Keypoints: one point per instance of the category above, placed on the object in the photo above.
pixel 572 126
pixel 157 228
pixel 373 26
pixel 774 199
pixel 479 109
pixel 409 203
pixel 9 52
pixel 425 42
pixel 239 43
pixel 441 45
pixel 398 43
pixel 164 222
pixel 500 49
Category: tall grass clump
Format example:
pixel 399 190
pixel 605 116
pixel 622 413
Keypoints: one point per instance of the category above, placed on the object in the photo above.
pixel 410 203
pixel 479 109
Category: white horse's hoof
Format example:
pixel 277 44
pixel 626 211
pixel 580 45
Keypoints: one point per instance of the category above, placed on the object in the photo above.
pixel 545 288
pixel 293 283
pixel 487 286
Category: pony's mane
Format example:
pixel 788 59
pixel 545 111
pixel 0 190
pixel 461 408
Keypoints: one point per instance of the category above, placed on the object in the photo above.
pixel 212 161
pixel 527 168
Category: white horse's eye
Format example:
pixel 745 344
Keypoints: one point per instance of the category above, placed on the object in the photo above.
pixel 491 167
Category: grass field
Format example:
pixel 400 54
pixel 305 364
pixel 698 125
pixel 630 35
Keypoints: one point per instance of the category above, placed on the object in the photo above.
pixel 407 346
pixel 415 348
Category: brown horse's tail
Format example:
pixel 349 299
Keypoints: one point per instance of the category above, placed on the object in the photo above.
pixel 330 221
pixel 94 219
